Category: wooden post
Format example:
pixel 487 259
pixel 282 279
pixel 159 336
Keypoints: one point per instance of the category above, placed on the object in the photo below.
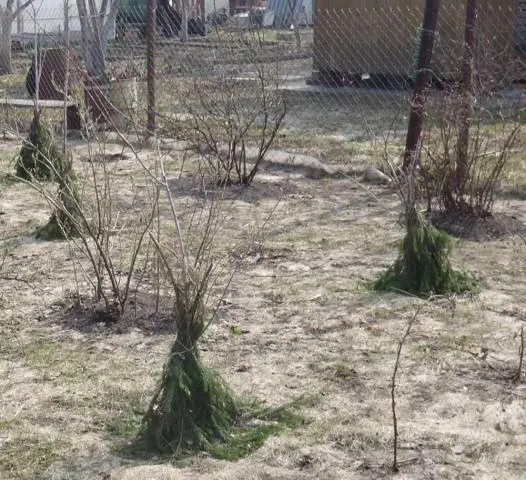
pixel 420 89
pixel 150 65
pixel 66 78
pixel 466 100
pixel 19 18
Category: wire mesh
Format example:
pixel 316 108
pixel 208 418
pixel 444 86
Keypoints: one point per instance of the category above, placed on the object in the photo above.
pixel 343 73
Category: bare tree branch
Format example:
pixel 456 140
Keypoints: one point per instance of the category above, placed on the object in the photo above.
pixel 104 7
pixel 516 377
pixel 22 7
pixel 395 465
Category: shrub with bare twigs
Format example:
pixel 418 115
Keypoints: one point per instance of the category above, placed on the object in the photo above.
pixel 233 121
pixel 493 138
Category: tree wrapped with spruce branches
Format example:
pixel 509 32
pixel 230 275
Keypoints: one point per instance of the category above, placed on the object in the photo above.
pixel 192 407
pixel 40 158
pixel 423 267
pixel 66 221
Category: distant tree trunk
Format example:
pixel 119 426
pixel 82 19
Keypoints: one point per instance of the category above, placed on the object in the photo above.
pixel 293 14
pixel 420 89
pixel 185 6
pixel 6 26
pixel 7 16
pixel 95 28
pixel 466 101
pixel 292 8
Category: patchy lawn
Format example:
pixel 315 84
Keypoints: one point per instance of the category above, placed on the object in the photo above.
pixel 297 320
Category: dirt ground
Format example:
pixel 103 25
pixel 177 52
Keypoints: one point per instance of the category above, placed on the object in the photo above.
pixel 297 320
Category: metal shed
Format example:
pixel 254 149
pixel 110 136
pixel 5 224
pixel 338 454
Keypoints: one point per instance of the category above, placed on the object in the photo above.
pixel 303 12
pixel 47 18
pixel 380 37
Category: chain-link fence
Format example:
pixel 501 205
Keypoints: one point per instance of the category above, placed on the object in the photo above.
pixel 335 74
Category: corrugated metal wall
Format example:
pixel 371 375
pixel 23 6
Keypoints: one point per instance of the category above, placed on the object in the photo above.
pixel 379 36
pixel 283 15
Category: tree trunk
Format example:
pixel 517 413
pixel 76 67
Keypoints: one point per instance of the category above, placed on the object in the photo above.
pixel 95 27
pixel 6 25
pixel 292 8
pixel 418 101
pixel 97 53
pixel 293 23
pixel 86 35
pixel 7 16
pixel 466 100
pixel 184 20
pixel 109 19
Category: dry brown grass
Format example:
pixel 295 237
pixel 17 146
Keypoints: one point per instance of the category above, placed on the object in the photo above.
pixel 297 320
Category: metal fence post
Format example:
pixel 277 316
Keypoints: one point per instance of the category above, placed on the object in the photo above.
pixel 421 86
pixel 150 64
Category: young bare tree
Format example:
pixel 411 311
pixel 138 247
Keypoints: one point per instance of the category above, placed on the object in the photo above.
pixel 463 163
pixel 8 15
pixel 192 407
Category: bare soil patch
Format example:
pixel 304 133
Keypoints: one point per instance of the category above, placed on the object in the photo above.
pixel 143 312
pixel 476 228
